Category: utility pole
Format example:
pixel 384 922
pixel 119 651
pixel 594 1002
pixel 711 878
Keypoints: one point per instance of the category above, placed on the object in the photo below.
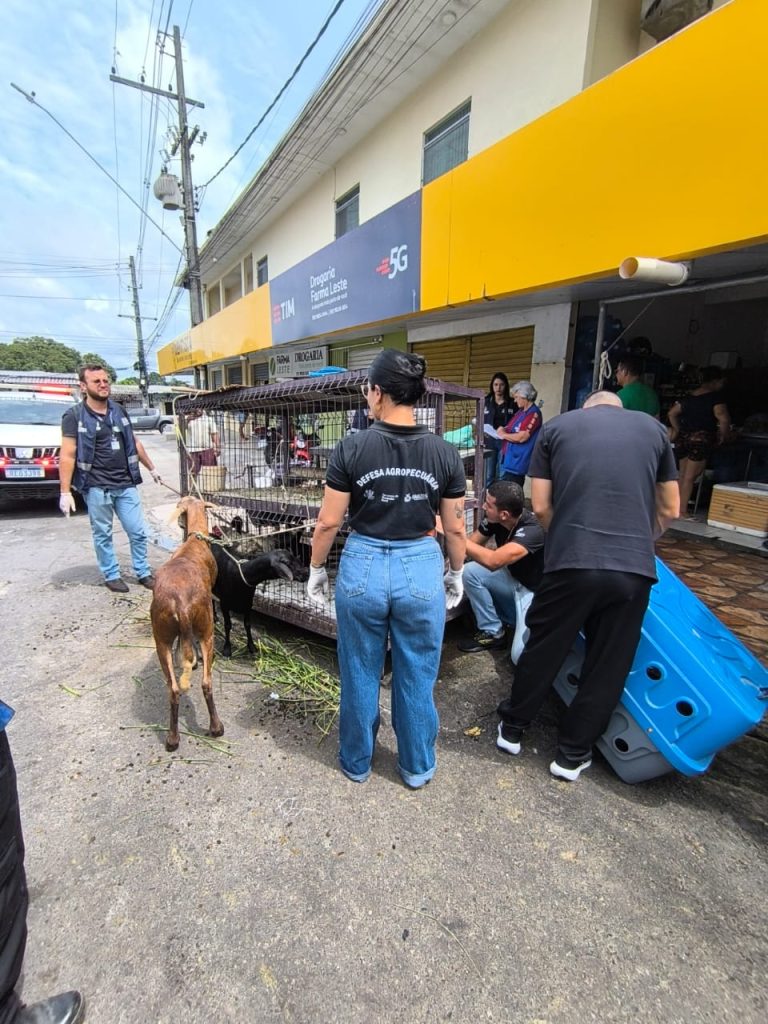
pixel 190 226
pixel 184 144
pixel 143 375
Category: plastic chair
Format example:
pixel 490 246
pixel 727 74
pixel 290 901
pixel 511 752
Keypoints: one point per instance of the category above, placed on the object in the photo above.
pixel 522 598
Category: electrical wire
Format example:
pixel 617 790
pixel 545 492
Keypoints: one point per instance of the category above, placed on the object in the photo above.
pixel 294 73
pixel 59 298
pixel 154 112
pixel 186 20
pixel 31 99
pixel 168 18
pixel 402 23
pixel 117 171
pixel 172 300
pixel 87 338
pixel 149 30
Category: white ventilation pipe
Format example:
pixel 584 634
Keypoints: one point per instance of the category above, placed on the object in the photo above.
pixel 643 268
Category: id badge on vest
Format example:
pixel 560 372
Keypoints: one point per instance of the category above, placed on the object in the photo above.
pixel 115 442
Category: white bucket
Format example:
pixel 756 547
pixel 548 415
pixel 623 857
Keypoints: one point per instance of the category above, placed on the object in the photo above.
pixel 212 478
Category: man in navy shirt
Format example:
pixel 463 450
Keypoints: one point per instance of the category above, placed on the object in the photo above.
pixel 100 458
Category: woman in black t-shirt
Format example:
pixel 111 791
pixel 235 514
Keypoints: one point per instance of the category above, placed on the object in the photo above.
pixel 499 409
pixel 392 480
pixel 697 423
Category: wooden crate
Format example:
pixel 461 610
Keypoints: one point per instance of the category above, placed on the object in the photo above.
pixel 739 507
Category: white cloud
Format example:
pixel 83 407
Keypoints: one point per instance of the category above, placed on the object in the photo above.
pixel 57 204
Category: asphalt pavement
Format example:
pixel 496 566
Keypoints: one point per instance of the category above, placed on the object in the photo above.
pixel 255 883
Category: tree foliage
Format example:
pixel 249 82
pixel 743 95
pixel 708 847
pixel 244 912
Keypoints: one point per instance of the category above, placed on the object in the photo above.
pixel 155 378
pixel 46 356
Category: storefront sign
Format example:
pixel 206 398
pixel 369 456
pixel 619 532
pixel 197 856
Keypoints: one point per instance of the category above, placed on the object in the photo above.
pixel 370 274
pixel 297 363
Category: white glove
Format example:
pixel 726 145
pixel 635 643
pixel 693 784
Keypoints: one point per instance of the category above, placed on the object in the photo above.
pixel 454 587
pixel 156 477
pixel 318 588
pixel 66 504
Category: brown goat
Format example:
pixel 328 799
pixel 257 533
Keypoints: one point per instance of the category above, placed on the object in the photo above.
pixel 181 608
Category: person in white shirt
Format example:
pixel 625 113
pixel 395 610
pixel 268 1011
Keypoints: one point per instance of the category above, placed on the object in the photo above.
pixel 202 441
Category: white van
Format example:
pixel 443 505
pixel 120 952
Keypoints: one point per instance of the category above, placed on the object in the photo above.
pixel 30 441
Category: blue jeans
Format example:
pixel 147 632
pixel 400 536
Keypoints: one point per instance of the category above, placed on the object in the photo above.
pixel 491 594
pixel 102 506
pixel 491 457
pixel 395 589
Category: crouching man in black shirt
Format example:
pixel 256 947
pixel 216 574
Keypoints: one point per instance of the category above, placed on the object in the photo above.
pixel 498 578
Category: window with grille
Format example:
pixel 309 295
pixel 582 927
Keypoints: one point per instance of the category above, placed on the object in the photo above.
pixel 262 272
pixel 446 144
pixel 348 211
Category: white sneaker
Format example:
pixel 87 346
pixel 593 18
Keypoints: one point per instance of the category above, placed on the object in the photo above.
pixel 507 743
pixel 570 771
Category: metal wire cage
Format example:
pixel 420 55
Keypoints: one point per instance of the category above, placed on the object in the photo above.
pixel 260 455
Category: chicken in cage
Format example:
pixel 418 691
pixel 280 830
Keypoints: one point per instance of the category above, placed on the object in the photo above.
pixel 260 455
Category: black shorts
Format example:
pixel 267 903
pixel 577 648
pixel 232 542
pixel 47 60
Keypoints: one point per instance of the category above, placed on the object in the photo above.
pixel 697 445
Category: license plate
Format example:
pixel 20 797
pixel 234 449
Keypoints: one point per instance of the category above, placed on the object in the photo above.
pixel 24 472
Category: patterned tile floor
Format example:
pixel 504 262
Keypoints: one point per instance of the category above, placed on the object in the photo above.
pixel 733 584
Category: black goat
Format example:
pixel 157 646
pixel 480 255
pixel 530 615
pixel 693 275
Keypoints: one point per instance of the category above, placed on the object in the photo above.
pixel 238 578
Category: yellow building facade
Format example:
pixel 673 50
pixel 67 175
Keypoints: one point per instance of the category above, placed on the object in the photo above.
pixel 663 156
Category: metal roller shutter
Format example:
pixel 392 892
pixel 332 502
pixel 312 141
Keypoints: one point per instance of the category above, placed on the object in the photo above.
pixel 360 357
pixel 259 373
pixel 510 352
pixel 446 360
pixel 473 361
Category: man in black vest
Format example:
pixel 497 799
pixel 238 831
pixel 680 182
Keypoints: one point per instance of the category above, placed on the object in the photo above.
pixel 100 457
pixel 604 486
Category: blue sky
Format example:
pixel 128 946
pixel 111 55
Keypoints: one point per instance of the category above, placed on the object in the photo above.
pixel 65 231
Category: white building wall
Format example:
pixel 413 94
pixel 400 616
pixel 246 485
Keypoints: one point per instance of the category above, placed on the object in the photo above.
pixel 614 37
pixel 531 58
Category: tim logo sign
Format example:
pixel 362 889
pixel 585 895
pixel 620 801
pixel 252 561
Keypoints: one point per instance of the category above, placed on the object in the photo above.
pixel 283 310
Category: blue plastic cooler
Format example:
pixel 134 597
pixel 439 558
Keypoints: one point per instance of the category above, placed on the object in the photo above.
pixel 693 688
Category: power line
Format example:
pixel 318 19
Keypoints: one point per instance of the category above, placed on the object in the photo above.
pixel 89 339
pixel 294 73
pixel 186 22
pixel 376 81
pixel 59 298
pixel 31 98
pixel 149 31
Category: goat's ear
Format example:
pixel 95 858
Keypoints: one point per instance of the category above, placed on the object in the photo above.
pixel 282 570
